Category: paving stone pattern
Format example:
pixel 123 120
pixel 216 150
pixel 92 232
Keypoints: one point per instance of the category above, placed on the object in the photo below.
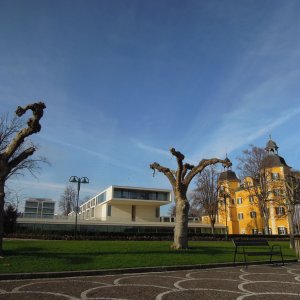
pixel 255 282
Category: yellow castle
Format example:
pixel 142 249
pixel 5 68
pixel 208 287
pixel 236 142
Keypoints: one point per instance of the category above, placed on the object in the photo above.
pixel 251 207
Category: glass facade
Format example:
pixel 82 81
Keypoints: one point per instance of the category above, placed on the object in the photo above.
pixel 101 198
pixel 88 229
pixel 39 208
pixel 140 194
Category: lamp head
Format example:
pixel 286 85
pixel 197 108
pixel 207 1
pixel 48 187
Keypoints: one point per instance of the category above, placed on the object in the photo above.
pixel 74 179
pixel 84 180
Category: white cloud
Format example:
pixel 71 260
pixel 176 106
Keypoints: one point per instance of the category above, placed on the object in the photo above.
pixel 240 128
pixel 151 149
pixel 101 156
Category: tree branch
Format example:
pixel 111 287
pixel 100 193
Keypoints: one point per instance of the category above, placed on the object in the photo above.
pixel 186 167
pixel 21 157
pixel 168 173
pixel 203 164
pixel 33 123
pixel 179 157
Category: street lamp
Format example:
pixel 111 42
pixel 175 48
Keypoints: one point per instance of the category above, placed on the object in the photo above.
pixel 78 180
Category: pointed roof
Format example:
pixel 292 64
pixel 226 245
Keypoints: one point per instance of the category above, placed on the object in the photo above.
pixel 228 175
pixel 271 147
pixel 273 159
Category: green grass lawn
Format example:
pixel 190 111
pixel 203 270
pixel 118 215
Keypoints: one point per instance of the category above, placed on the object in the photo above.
pixel 44 256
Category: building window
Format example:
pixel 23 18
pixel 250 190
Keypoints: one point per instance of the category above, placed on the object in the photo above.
pixel 275 176
pixel 282 230
pixel 253 214
pixel 140 194
pixel 276 192
pixel 240 216
pixel 133 213
pixel 157 212
pixel 239 200
pixel 254 231
pixel 251 199
pixel 232 201
pixel 109 210
pixel 101 198
pixel 280 211
pixel 93 213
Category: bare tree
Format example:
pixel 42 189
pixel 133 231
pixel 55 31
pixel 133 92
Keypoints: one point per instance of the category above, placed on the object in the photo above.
pixel 67 202
pixel 206 194
pixel 16 150
pixel 14 196
pixel 172 210
pixel 256 180
pixel 292 199
pixel 85 199
pixel 180 180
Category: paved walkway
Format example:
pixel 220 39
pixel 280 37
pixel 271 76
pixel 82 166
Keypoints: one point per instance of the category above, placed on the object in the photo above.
pixel 254 282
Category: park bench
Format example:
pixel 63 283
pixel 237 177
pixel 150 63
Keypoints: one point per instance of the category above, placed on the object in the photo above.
pixel 256 247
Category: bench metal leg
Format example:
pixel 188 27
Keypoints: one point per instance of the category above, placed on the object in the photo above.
pixel 245 258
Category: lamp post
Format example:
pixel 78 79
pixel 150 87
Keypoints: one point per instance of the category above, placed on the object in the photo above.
pixel 78 180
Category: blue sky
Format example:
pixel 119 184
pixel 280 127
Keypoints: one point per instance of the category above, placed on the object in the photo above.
pixel 126 80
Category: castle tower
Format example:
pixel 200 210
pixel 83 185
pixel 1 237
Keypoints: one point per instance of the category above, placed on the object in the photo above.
pixel 276 168
pixel 228 183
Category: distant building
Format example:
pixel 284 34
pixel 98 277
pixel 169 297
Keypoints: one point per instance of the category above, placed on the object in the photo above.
pixel 122 204
pixel 39 208
pixel 121 209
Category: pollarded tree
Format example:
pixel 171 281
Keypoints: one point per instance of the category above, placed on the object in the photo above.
pixel 180 180
pixel 15 149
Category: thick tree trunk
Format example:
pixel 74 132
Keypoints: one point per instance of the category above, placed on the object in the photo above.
pixel 212 225
pixel 266 224
pixel 2 198
pixel 266 230
pixel 291 228
pixel 181 225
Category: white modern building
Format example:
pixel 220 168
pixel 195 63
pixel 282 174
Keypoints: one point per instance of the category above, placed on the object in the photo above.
pixel 123 204
pixel 39 208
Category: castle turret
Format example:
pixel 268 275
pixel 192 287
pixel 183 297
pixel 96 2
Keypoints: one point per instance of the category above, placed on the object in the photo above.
pixel 273 159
